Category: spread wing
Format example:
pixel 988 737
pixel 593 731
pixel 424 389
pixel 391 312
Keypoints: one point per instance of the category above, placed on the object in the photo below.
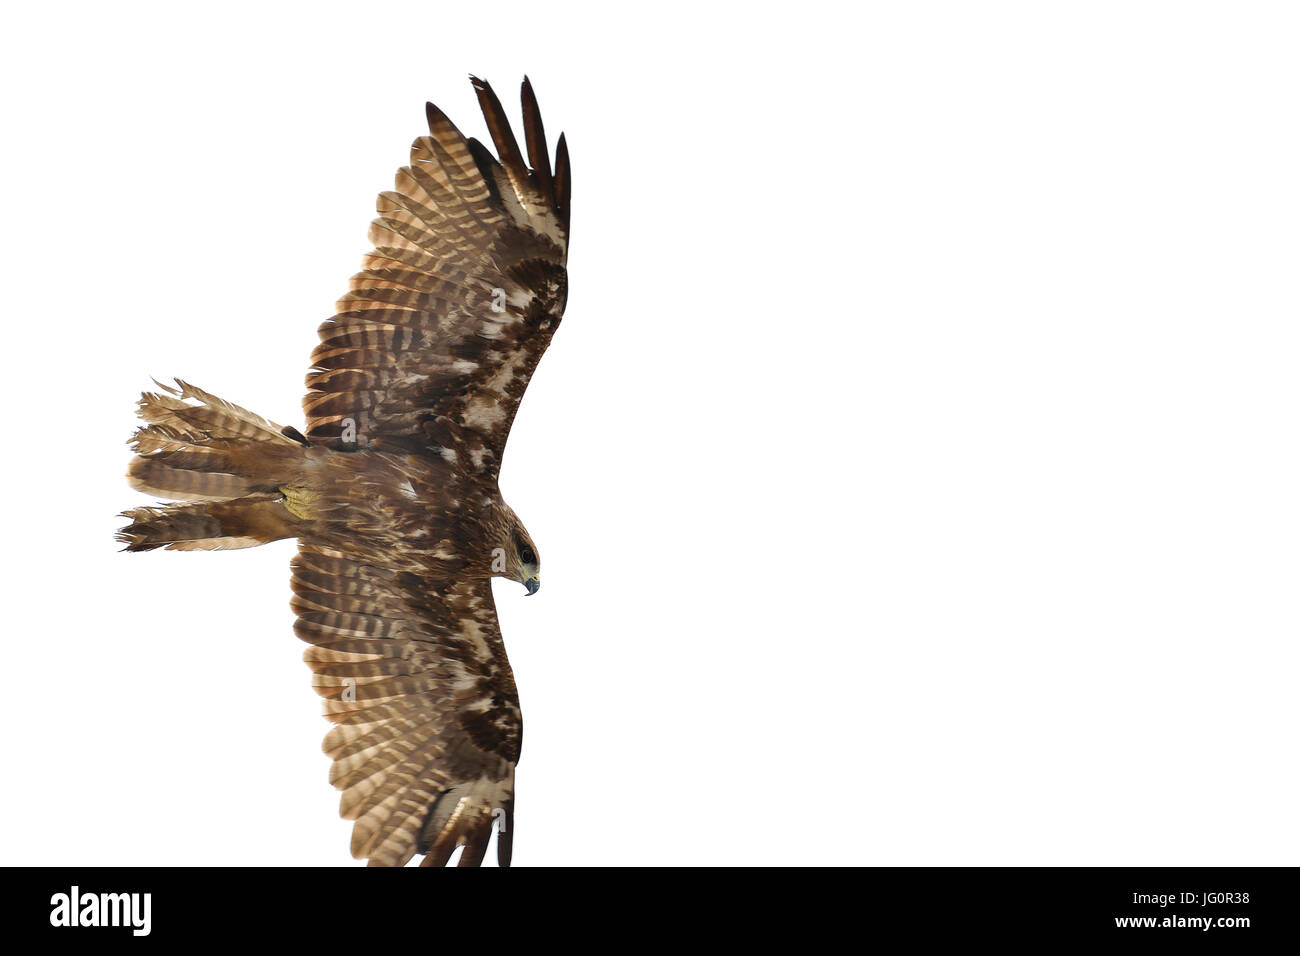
pixel 427 726
pixel 459 299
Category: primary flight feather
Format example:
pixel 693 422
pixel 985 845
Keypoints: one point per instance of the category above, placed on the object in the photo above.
pixel 391 490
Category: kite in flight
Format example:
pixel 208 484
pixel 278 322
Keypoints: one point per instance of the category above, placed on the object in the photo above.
pixel 392 489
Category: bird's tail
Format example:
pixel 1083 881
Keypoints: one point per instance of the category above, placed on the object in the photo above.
pixel 231 469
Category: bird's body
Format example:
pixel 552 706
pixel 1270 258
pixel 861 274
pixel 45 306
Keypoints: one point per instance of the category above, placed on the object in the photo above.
pixel 392 490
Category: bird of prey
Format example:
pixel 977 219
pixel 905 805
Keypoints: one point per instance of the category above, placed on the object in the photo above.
pixel 391 489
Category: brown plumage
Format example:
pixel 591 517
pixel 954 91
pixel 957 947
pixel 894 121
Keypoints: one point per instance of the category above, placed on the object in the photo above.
pixel 392 490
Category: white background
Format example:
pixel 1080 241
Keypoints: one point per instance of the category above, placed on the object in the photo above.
pixel 915 471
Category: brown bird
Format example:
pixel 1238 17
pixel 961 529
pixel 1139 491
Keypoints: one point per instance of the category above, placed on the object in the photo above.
pixel 392 491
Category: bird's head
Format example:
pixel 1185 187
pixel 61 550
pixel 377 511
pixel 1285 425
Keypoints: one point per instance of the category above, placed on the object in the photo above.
pixel 515 556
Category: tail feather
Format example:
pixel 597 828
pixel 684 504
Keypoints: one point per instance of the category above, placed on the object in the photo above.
pixel 212 418
pixel 227 461
pixel 166 480
pixel 244 523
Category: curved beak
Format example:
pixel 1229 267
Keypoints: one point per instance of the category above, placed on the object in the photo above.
pixel 533 584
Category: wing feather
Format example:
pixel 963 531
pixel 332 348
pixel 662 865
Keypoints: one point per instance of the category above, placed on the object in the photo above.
pixel 459 298
pixel 422 695
pixel 504 138
pixel 535 138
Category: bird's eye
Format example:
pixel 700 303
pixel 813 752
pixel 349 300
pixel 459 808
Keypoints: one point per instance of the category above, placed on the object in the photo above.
pixel 526 555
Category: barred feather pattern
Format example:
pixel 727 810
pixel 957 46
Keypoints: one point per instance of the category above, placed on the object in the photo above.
pixel 217 526
pixel 459 298
pixel 427 723
pixel 224 463
pixel 197 447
